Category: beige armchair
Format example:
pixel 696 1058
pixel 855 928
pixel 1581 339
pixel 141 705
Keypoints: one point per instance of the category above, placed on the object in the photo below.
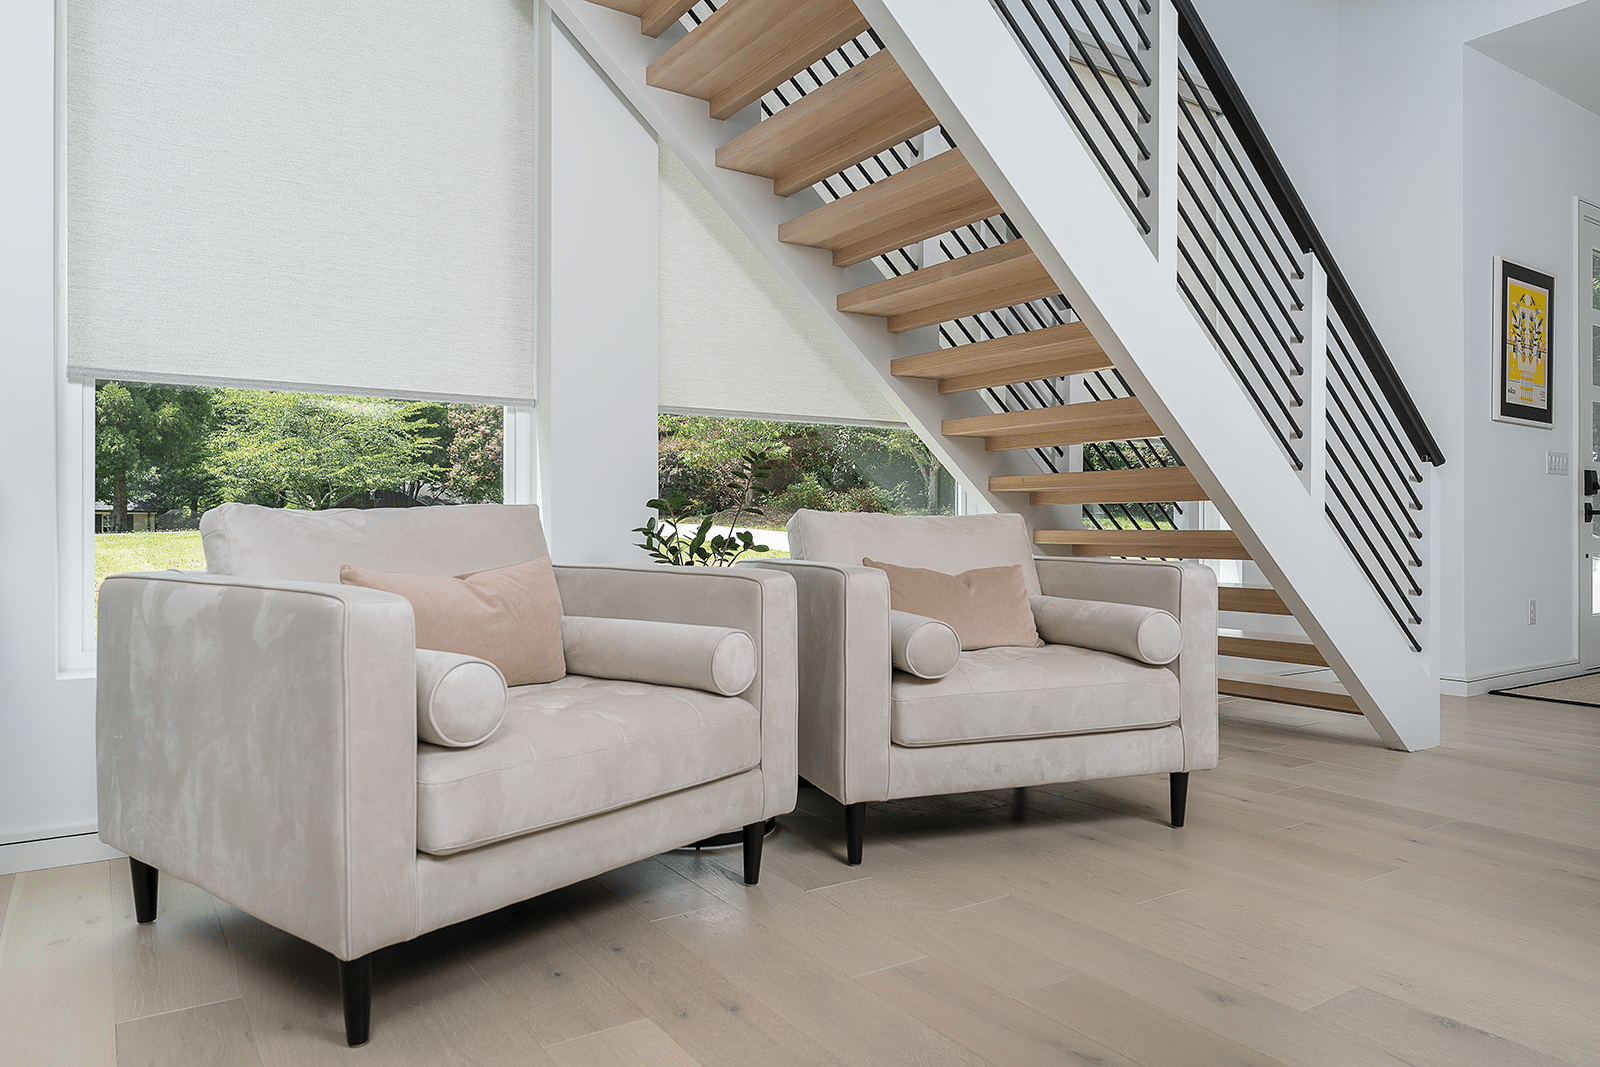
pixel 258 727
pixel 1002 717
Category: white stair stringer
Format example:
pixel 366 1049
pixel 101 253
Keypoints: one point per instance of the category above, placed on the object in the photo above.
pixel 961 58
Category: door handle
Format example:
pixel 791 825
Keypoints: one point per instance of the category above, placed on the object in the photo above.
pixel 1588 512
pixel 1591 483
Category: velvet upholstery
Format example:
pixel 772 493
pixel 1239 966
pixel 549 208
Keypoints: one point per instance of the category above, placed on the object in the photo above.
pixel 922 647
pixel 713 658
pixel 461 700
pixel 1003 717
pixel 257 730
pixel 1148 635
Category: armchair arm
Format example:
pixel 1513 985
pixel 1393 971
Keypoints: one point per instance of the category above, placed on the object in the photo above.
pixel 760 604
pixel 258 738
pixel 1189 592
pixel 844 644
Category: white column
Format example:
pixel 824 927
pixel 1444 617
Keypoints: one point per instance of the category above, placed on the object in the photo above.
pixel 597 266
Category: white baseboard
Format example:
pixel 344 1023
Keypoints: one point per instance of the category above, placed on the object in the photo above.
pixel 45 852
pixel 1476 687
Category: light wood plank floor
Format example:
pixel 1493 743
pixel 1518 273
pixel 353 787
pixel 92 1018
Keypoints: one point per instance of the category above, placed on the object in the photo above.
pixel 1330 903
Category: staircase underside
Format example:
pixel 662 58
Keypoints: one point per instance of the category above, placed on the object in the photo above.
pixel 736 57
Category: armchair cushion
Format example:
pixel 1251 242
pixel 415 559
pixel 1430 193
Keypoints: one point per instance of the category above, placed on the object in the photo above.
pixel 715 659
pixel 575 748
pixel 510 616
pixel 986 607
pixel 927 648
pixel 1002 694
pixel 1148 635
pixel 460 699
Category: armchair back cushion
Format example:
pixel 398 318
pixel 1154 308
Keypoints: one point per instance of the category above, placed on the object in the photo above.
pixel 948 543
pixel 309 546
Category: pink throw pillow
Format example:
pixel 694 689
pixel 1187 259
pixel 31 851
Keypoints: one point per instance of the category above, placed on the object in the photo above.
pixel 986 607
pixel 510 616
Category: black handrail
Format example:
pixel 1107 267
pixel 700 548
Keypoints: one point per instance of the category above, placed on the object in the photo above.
pixel 1214 71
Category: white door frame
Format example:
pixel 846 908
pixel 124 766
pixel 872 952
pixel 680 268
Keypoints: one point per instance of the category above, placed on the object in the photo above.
pixel 1586 393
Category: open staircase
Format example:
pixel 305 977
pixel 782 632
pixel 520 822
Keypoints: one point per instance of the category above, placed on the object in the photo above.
pixel 996 210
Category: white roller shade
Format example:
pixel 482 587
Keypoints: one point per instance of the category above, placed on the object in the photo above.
pixel 735 339
pixel 319 195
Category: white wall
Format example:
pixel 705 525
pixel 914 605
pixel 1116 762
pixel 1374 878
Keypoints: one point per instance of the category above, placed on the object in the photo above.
pixel 1398 219
pixel 1528 153
pixel 598 378
pixel 47 761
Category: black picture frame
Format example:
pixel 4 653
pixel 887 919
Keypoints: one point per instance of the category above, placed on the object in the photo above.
pixel 1524 345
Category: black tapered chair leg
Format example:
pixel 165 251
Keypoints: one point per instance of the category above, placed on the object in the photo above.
pixel 754 835
pixel 855 828
pixel 145 880
pixel 355 985
pixel 1180 796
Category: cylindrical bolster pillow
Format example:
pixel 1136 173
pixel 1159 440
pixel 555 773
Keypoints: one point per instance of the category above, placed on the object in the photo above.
pixel 713 658
pixel 1146 634
pixel 460 699
pixel 922 646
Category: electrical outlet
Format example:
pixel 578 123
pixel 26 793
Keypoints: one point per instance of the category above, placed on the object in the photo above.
pixel 1557 463
pixel 1533 612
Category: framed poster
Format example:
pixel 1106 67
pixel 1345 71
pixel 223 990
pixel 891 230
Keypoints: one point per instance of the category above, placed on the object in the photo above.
pixel 1523 383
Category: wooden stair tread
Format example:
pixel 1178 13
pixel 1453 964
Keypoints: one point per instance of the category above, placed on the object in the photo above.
pixel 1255 599
pixel 655 16
pixel 1068 424
pixel 1321 693
pixel 931 197
pixel 1134 486
pixel 868 108
pixel 749 46
pixel 1278 648
pixel 983 281
pixel 1024 357
pixel 1149 544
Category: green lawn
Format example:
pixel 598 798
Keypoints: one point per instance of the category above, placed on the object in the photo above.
pixel 155 550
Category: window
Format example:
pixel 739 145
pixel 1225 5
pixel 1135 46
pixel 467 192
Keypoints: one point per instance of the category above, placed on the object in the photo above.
pixel 162 454
pixel 821 466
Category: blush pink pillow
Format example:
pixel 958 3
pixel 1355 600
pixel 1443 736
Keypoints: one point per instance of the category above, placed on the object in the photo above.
pixel 510 616
pixel 985 607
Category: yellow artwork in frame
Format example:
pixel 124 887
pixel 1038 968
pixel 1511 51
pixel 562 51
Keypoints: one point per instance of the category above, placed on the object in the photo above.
pixel 1523 385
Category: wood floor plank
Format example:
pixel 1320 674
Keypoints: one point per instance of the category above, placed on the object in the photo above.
pixel 1423 1037
pixel 211 1035
pixel 627 1045
pixel 997 1027
pixel 656 891
pixel 179 961
pixel 702 1010
pixel 55 973
pixel 1490 990
pixel 547 984
pixel 850 1022
pixel 1138 1029
pixel 428 1004
pixel 1009 964
pixel 1221 1007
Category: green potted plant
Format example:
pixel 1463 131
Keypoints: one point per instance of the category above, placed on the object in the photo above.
pixel 664 536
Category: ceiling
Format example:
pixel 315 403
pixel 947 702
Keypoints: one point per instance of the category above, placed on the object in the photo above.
pixel 1560 51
